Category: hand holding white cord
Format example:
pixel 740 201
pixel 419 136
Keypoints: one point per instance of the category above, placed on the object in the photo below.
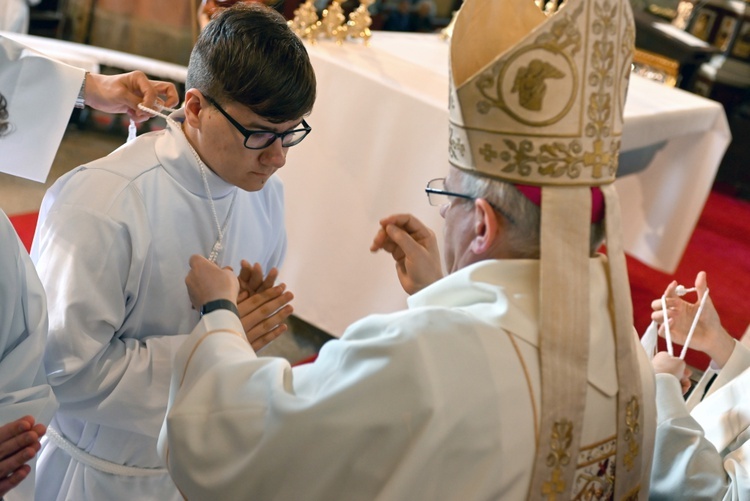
pixel 695 324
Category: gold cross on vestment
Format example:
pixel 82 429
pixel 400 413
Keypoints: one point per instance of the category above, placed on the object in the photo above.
pixel 554 486
pixel 597 159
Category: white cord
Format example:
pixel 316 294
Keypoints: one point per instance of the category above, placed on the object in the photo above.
pixel 692 327
pixel 98 463
pixel 131 131
pixel 219 243
pixel 680 290
pixel 670 349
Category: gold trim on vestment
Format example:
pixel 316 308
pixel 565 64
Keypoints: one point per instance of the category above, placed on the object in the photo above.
pixel 200 341
pixel 560 442
pixel 632 415
pixel 531 389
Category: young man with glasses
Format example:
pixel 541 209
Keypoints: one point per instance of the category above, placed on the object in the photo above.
pixel 115 235
pixel 518 374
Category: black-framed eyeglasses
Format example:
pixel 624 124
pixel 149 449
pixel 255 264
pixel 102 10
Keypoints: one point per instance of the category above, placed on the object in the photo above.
pixel 259 139
pixel 438 196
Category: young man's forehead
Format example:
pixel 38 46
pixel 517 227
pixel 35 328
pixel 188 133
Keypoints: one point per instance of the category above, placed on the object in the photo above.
pixel 251 120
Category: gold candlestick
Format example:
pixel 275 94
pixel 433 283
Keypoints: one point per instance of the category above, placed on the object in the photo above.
pixel 333 19
pixel 305 23
pixel 359 22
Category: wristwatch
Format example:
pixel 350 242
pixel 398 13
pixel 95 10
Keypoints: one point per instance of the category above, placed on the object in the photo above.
pixel 81 99
pixel 219 304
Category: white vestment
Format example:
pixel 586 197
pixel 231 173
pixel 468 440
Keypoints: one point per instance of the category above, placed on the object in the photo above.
pixel 40 94
pixel 112 248
pixel 440 401
pixel 23 330
pixel 704 453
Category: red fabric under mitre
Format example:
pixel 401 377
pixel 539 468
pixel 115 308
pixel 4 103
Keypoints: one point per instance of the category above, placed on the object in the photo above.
pixel 534 194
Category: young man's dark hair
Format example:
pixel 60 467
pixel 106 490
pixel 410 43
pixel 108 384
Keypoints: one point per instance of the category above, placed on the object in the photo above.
pixel 278 83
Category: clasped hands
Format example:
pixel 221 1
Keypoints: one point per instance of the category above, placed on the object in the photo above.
pixel 19 443
pixel 263 306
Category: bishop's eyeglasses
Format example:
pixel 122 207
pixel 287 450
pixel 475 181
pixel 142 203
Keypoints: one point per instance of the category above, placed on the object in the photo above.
pixel 259 139
pixel 438 196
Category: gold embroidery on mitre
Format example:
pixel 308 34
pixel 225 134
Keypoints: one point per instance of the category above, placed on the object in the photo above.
pixel 530 83
pixel 560 44
pixel 456 146
pixel 589 157
pixel 600 102
pixel 557 159
pixel 554 159
pixel 632 422
pixel 626 51
pixel 560 442
pixel 488 152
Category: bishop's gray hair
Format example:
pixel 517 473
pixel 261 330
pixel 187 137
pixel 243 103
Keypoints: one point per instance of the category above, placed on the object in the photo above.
pixel 523 234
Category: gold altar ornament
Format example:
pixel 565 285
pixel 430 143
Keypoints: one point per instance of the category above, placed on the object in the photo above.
pixel 332 24
pixel 359 22
pixel 333 19
pixel 305 22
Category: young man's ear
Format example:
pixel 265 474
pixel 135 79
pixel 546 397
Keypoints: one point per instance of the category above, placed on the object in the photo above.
pixel 194 104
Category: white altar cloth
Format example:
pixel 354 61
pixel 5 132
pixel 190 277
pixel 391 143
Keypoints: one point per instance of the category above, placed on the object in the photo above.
pixel 87 56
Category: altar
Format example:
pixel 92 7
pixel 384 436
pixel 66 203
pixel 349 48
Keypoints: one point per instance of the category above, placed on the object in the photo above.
pixel 380 133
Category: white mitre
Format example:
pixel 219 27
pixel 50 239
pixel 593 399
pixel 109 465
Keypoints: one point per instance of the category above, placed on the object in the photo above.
pixel 539 101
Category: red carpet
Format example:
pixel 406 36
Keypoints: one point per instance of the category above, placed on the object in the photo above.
pixel 720 245
pixel 25 224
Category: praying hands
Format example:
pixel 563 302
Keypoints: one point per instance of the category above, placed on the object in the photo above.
pixel 19 443
pixel 263 308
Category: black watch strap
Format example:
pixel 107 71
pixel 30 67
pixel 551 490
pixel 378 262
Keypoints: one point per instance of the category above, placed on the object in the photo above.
pixel 219 304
